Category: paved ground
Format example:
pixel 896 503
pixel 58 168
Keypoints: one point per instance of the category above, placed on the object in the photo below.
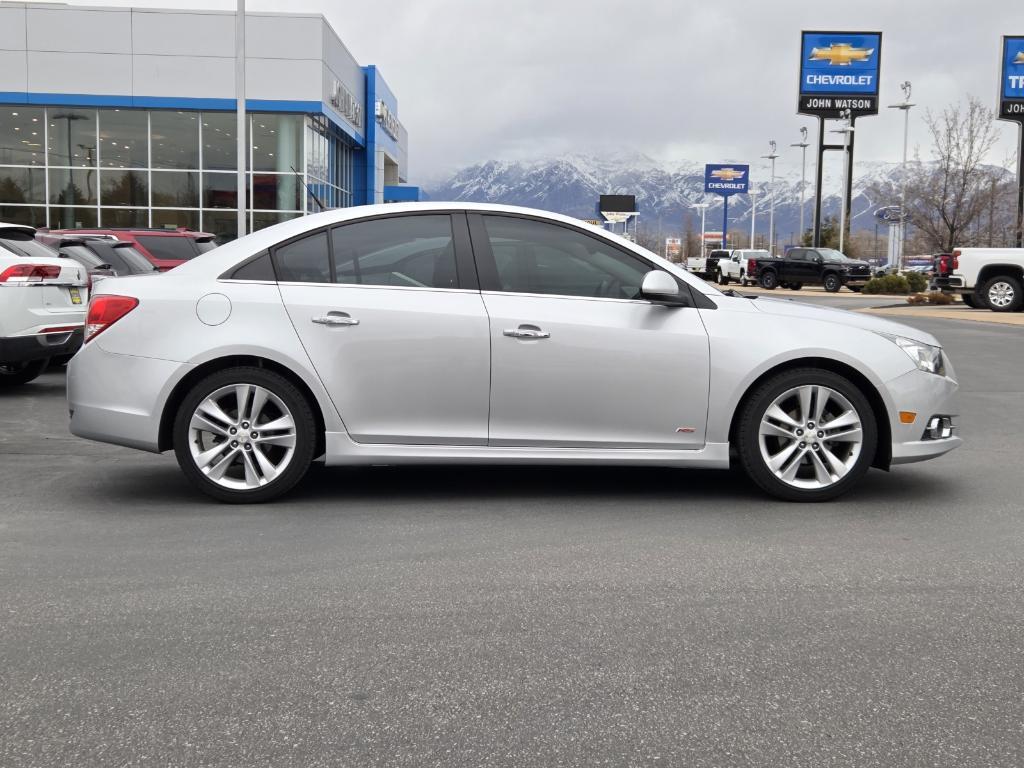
pixel 515 617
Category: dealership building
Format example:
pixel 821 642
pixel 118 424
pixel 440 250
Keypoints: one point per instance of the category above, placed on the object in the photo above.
pixel 126 117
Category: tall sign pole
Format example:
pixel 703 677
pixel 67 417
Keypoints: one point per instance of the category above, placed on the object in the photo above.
pixel 725 180
pixel 839 71
pixel 1011 107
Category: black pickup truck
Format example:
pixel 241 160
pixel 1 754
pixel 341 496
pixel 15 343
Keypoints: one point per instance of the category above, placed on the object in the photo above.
pixel 812 266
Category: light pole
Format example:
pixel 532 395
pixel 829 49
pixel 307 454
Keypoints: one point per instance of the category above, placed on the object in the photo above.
pixel 772 155
pixel 803 144
pixel 702 207
pixel 240 113
pixel 846 130
pixel 753 193
pixel 905 106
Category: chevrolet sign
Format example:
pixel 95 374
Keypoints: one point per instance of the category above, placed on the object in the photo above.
pixel 839 70
pixel 726 179
pixel 346 104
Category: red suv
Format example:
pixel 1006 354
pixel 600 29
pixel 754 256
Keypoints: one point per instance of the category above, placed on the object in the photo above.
pixel 165 248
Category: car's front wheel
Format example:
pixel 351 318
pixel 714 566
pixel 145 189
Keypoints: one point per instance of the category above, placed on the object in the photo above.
pixel 244 435
pixel 723 279
pixel 16 374
pixel 832 283
pixel 806 435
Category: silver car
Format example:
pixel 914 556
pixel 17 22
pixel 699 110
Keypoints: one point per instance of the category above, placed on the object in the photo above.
pixel 462 333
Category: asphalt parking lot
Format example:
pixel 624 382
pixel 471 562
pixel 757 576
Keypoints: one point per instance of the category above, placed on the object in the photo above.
pixel 515 617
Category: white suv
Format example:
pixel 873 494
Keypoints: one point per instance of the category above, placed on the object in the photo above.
pixel 43 300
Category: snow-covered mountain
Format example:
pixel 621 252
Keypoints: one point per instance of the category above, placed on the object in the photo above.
pixel 571 185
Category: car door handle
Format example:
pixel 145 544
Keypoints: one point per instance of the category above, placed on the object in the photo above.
pixel 336 318
pixel 526 332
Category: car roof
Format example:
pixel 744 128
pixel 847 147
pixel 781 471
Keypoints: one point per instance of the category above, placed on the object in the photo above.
pixel 18 227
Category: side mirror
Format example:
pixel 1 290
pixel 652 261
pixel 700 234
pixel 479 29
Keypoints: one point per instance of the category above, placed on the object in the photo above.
pixel 659 286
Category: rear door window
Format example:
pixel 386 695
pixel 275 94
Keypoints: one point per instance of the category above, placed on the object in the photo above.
pixel 401 251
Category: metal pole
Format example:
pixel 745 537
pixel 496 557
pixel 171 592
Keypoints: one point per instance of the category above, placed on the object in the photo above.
pixel 1019 239
pixel 753 216
pixel 902 228
pixel 725 220
pixel 816 241
pixel 771 198
pixel 240 112
pixel 803 144
pixel 846 164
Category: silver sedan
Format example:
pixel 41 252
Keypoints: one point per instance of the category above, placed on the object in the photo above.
pixel 463 333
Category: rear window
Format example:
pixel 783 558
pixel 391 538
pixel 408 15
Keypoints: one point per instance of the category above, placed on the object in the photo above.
pixel 163 247
pixel 206 245
pixel 134 260
pixel 24 244
pixel 82 255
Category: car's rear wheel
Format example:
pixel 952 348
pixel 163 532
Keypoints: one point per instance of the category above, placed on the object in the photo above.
pixel 769 280
pixel 244 435
pixel 16 374
pixel 832 283
pixel 1003 293
pixel 970 300
pixel 806 435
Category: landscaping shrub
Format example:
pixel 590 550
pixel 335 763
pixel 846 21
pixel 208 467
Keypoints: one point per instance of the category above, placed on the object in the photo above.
pixel 917 298
pixel 891 284
pixel 937 298
pixel 917 281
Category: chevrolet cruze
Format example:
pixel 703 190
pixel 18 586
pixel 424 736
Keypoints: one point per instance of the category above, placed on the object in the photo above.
pixel 462 333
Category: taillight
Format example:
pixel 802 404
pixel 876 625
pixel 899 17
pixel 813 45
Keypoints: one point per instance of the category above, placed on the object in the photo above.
pixel 29 273
pixel 751 265
pixel 105 310
pixel 956 260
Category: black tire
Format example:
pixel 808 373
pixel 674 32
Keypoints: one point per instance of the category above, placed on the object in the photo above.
pixel 748 440
pixel 856 288
pixel 305 434
pixel 795 286
pixel 1007 283
pixel 722 278
pixel 971 300
pixel 743 280
pixel 16 374
pixel 832 282
pixel 769 280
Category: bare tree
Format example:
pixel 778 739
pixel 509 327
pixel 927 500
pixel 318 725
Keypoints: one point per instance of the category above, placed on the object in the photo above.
pixel 947 196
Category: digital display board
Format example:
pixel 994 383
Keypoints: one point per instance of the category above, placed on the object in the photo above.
pixel 838 71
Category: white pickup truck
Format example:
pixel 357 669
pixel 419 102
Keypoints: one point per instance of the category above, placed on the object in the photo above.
pixel 991 278
pixel 735 268
pixel 43 300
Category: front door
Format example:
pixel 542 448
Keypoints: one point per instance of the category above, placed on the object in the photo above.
pixel 577 358
pixel 400 343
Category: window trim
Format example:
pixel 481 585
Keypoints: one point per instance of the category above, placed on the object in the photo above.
pixel 488 270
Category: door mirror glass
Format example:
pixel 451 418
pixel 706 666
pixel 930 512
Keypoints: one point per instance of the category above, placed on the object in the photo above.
pixel 659 286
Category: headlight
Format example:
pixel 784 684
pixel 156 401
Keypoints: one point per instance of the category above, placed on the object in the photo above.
pixel 926 357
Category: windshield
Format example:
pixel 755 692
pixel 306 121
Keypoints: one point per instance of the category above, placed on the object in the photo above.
pixel 24 244
pixel 829 254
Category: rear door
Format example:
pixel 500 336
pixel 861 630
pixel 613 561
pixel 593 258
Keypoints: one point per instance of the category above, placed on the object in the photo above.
pixel 578 359
pixel 389 311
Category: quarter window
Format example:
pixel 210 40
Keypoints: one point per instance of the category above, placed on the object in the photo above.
pixel 537 257
pixel 305 260
pixel 409 251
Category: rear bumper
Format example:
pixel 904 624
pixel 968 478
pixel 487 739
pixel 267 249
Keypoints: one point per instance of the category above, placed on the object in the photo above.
pixel 23 349
pixel 951 284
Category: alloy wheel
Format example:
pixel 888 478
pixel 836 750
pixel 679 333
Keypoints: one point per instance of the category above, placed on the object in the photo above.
pixel 810 437
pixel 242 436
pixel 1000 294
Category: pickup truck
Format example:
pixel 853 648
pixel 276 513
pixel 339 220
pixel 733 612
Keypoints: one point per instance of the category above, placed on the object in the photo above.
pixel 736 267
pixel 817 266
pixel 991 278
pixel 706 266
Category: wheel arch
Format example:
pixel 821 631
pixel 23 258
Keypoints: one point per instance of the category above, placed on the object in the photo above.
pixel 174 399
pixel 995 270
pixel 883 451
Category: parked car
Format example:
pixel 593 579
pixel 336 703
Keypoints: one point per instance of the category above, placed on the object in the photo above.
pixel 990 278
pixel 473 333
pixel 706 265
pixel 813 266
pixel 737 267
pixel 43 302
pixel 104 258
pixel 165 248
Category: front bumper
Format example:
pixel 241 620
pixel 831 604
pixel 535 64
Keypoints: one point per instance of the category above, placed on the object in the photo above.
pixel 23 349
pixel 119 399
pixel 926 395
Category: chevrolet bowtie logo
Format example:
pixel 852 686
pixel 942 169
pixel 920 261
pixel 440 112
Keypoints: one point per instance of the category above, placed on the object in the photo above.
pixel 841 54
pixel 727 174
pixel 1020 58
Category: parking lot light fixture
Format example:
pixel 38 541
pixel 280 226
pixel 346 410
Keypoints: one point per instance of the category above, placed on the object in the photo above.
pixel 772 156
pixel 905 105
pixel 846 130
pixel 803 144
pixel 703 208
pixel 753 214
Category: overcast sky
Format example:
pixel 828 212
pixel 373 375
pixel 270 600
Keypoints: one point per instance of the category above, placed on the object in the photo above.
pixel 701 81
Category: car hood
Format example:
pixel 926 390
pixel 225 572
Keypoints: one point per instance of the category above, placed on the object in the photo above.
pixel 799 310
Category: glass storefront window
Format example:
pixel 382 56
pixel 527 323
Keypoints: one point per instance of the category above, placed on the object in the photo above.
pixel 124 217
pixel 264 219
pixel 22 185
pixel 72 186
pixel 219 148
pixel 276 191
pixel 276 142
pixel 124 188
pixel 222 224
pixel 176 189
pixel 21 136
pixel 72 218
pixel 170 219
pixel 72 136
pixel 175 139
pixel 220 190
pixel 124 138
pixel 23 214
